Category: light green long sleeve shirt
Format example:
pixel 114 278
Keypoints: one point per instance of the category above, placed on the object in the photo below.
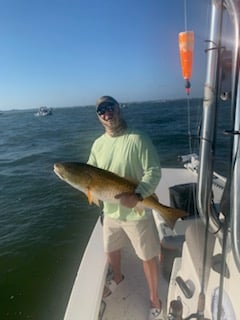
pixel 133 156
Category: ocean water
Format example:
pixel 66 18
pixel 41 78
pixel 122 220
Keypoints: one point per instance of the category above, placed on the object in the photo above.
pixel 44 223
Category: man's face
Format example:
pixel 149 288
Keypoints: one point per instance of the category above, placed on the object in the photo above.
pixel 109 115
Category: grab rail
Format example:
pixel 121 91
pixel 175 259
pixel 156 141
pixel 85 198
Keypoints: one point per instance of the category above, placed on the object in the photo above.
pixel 204 191
pixel 235 187
pixel 207 145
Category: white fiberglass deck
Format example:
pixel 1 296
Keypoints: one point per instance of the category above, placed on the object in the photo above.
pixel 131 300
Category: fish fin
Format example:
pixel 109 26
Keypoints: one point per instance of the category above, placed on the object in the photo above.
pixel 139 209
pixel 171 215
pixel 96 201
pixel 91 199
pixel 89 196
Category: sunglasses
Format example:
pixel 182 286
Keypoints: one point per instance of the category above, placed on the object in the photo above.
pixel 103 108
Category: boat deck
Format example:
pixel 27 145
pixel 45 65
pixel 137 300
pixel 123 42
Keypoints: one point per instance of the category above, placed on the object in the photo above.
pixel 131 299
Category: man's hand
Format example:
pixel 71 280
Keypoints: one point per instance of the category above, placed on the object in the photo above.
pixel 127 199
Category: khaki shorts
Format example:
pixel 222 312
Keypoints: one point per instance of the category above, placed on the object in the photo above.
pixel 142 234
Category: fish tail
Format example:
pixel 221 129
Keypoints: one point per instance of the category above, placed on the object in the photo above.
pixel 171 215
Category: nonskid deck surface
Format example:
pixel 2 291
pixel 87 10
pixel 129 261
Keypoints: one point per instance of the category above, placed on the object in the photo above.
pixel 130 301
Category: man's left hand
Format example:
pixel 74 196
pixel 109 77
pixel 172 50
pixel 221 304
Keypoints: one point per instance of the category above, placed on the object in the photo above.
pixel 127 199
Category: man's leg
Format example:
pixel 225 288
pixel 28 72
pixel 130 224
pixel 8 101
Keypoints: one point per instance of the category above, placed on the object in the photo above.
pixel 114 259
pixel 151 273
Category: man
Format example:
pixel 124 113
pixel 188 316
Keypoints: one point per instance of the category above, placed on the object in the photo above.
pixel 130 155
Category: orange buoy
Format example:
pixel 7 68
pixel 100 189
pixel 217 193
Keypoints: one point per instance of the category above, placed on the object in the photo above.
pixel 186 45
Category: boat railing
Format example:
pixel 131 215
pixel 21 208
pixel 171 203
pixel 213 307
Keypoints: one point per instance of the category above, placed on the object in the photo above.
pixel 208 135
pixel 235 171
pixel 205 180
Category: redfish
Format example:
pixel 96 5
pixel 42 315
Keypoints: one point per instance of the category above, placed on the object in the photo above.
pixel 102 185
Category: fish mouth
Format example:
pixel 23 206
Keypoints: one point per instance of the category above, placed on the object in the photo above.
pixel 57 170
pixel 55 167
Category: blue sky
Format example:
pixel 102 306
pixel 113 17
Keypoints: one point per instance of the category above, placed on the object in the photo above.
pixel 69 52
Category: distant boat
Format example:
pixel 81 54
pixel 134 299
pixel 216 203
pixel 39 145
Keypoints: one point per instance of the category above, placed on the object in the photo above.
pixel 44 111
